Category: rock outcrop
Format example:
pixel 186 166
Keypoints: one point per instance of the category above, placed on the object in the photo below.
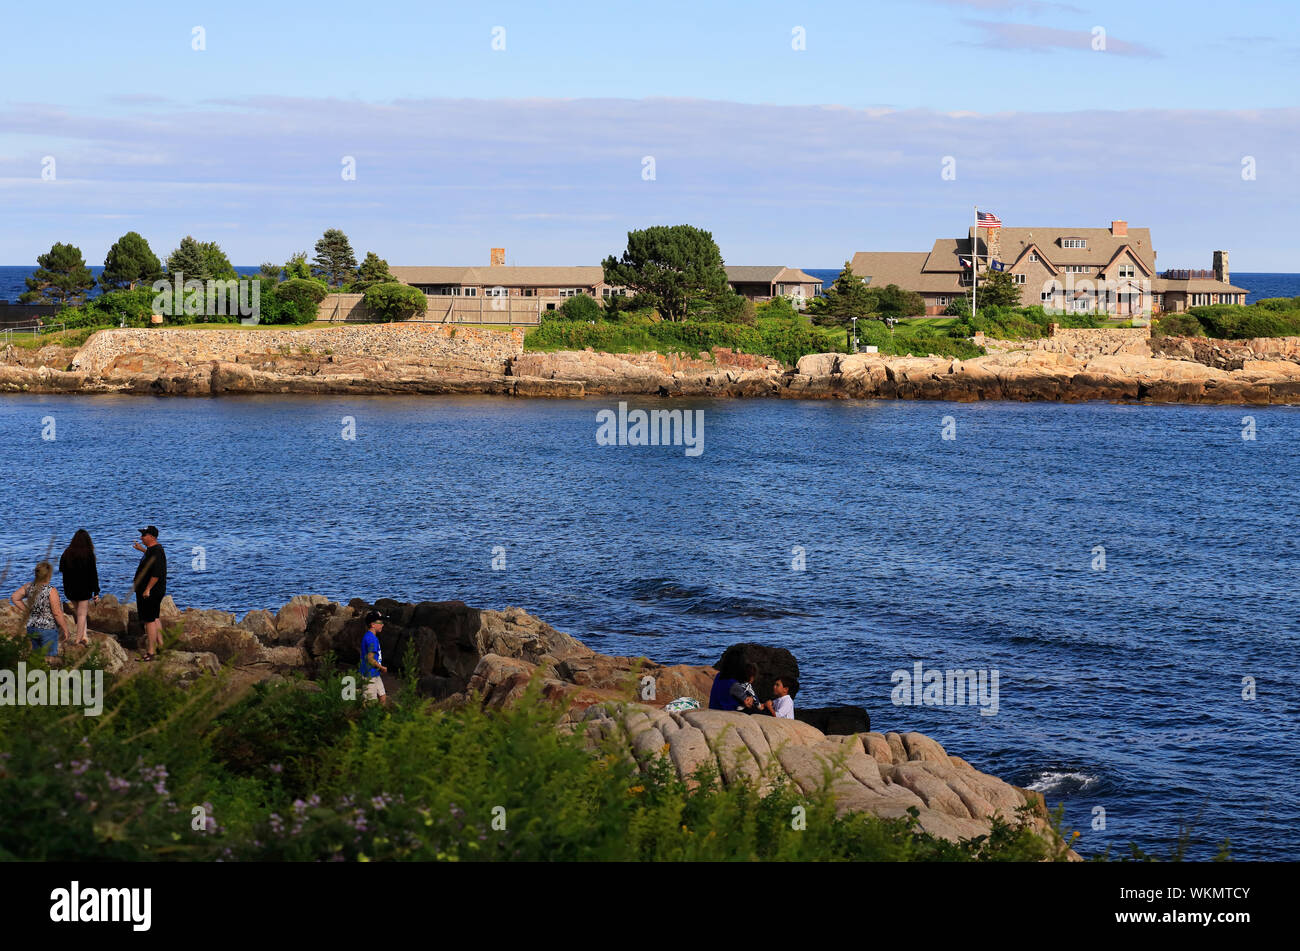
pixel 883 774
pixel 1072 366
pixel 464 654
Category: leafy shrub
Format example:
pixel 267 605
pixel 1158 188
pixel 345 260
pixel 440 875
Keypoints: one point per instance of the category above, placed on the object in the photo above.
pixel 111 308
pixel 1237 321
pixel 1177 325
pixel 777 307
pixel 390 302
pixel 580 307
pixel 295 301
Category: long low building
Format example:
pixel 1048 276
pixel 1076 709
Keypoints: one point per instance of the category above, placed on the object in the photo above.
pixel 551 285
pixel 1078 270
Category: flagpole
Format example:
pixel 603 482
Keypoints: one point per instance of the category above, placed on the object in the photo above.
pixel 975 262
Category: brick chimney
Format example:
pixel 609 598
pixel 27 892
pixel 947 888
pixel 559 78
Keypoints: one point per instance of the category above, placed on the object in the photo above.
pixel 1119 229
pixel 498 257
pixel 1221 267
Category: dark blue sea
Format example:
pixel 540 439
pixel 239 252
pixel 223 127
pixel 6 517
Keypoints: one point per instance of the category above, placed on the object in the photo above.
pixel 1260 285
pixel 13 279
pixel 1120 684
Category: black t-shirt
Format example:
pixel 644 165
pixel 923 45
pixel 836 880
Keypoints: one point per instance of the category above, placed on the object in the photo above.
pixel 153 564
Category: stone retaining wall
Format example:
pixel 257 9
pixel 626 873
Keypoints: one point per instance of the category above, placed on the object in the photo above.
pixel 402 343
pixel 1085 342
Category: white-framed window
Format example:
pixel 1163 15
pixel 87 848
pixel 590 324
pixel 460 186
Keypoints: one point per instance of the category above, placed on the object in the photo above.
pixel 1158 299
pixel 1200 300
pixel 1075 268
pixel 1033 257
pixel 495 292
pixel 942 300
pixel 1127 270
pixel 1048 294
pixel 1073 243
pixel 528 292
pixel 570 291
pixel 1019 278
pixel 470 291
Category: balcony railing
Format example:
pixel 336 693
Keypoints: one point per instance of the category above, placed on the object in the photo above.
pixel 1187 274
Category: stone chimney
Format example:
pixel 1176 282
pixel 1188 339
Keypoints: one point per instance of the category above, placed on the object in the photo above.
pixel 1119 229
pixel 993 242
pixel 1221 267
pixel 498 257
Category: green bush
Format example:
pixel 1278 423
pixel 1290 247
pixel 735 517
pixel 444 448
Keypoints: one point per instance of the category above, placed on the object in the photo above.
pixel 917 341
pixel 294 301
pixel 1237 321
pixel 292 771
pixel 1177 325
pixel 391 302
pixel 580 307
pixel 777 307
pixel 110 309
pixel 784 340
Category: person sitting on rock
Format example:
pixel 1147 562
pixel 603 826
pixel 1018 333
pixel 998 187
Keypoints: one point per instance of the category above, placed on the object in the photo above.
pixel 731 694
pixel 783 705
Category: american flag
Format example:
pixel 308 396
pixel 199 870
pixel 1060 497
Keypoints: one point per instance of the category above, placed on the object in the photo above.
pixel 987 219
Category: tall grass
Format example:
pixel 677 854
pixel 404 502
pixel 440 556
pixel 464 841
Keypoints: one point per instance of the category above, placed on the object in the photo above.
pixel 295 770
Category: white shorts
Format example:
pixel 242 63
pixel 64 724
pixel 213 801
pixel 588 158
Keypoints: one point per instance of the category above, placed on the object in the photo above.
pixel 374 688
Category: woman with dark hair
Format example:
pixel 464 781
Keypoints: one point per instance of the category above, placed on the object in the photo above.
pixel 42 610
pixel 80 579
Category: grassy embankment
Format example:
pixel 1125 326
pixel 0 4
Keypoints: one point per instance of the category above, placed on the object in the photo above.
pixel 1270 317
pixel 295 771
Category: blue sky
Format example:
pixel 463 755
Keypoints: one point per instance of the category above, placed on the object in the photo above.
pixel 790 156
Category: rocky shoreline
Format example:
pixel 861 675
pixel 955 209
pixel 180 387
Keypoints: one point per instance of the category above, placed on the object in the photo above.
pixel 463 654
pixel 398 359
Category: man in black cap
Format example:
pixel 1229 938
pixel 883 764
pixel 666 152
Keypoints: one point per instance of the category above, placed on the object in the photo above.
pixel 150 585
pixel 372 659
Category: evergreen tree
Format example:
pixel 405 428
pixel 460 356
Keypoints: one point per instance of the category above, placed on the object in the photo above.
pixel 61 278
pixel 996 289
pixel 373 270
pixel 130 261
pixel 334 258
pixel 199 261
pixel 845 299
pixel 269 271
pixel 673 265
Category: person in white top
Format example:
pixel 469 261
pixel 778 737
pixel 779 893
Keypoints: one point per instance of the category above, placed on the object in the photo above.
pixel 783 705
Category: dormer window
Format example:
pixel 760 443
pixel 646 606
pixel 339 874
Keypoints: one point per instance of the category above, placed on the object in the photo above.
pixel 1073 243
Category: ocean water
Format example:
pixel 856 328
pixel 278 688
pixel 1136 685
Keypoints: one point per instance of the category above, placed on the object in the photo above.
pixel 1260 285
pixel 13 278
pixel 1121 568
